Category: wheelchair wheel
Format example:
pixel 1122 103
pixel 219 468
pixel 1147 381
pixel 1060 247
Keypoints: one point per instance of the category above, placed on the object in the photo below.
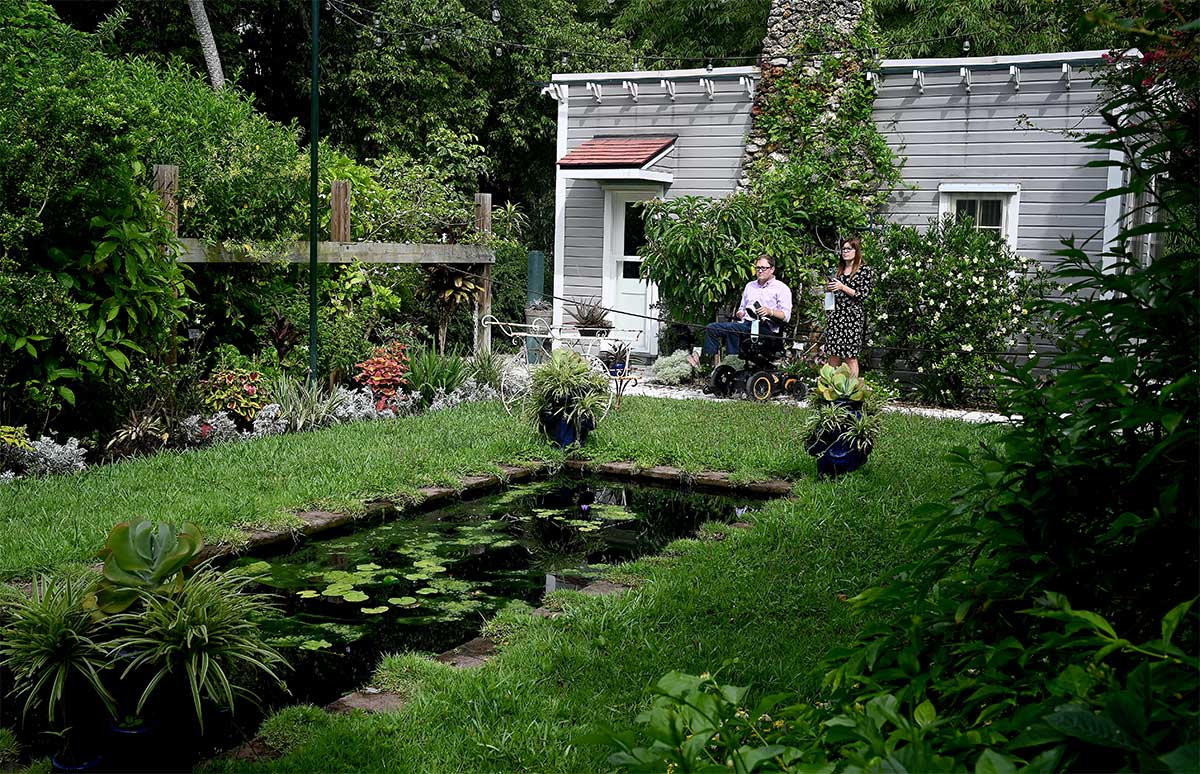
pixel 760 386
pixel 797 388
pixel 722 381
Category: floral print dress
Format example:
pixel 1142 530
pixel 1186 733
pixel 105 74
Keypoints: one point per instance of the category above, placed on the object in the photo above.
pixel 846 323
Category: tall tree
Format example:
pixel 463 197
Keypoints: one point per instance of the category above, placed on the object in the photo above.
pixel 212 58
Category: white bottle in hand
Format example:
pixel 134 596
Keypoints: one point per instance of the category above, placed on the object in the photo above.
pixel 830 297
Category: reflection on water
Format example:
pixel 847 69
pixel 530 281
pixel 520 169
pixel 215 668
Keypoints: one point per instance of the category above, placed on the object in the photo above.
pixel 428 582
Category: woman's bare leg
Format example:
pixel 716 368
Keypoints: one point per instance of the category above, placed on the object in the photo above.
pixel 835 361
pixel 853 363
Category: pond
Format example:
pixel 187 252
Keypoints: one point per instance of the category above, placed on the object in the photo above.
pixel 427 582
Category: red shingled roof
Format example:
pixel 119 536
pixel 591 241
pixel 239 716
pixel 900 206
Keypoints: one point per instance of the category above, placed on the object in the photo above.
pixel 616 152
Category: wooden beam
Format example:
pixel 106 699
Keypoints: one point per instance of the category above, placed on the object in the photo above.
pixel 195 251
pixel 339 211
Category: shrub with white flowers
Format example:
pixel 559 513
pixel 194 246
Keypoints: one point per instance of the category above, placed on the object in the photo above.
pixel 948 303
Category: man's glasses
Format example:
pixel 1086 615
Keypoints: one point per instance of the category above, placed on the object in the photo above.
pixel 762 268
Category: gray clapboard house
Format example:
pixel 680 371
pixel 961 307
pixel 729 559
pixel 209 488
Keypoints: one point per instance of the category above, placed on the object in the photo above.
pixel 994 137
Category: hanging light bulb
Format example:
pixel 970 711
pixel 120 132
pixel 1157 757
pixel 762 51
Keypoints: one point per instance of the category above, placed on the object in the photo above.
pixel 967 44
pixel 708 65
pixel 378 42
pixel 428 41
pixel 566 60
pixel 637 63
pixel 495 11
pixel 403 44
pixel 499 49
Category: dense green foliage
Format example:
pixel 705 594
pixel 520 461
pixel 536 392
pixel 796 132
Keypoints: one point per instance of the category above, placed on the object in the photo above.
pixel 950 304
pixel 994 27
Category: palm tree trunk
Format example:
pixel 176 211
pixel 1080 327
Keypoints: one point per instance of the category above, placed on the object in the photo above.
pixel 208 45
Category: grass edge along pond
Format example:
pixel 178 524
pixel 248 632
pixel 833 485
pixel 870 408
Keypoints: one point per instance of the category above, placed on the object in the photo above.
pixel 759 605
pixel 52 522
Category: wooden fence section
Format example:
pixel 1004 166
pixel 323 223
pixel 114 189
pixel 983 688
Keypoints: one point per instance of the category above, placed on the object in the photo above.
pixel 342 250
pixel 196 251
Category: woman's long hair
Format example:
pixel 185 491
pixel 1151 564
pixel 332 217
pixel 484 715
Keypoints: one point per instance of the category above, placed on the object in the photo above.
pixel 856 264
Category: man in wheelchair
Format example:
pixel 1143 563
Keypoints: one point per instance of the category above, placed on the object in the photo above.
pixel 757 336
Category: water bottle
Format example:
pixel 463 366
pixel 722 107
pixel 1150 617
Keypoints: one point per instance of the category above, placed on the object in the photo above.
pixel 830 297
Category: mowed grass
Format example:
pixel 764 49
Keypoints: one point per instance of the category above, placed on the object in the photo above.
pixel 760 606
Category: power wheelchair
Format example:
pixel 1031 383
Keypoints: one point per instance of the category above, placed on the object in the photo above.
pixel 762 377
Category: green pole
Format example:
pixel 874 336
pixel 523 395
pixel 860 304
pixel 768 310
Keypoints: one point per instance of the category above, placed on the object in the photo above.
pixel 313 140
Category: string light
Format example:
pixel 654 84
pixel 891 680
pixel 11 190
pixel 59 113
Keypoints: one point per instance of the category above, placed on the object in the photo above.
pixel 709 65
pixel 495 11
pixel 500 49
pixel 967 44
pixel 566 60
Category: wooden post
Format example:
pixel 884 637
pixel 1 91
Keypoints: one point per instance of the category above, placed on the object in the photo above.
pixel 339 211
pixel 483 224
pixel 166 184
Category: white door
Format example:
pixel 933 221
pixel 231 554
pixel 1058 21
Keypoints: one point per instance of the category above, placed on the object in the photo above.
pixel 624 289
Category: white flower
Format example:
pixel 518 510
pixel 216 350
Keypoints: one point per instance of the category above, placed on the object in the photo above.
pixel 920 369
pixel 967 348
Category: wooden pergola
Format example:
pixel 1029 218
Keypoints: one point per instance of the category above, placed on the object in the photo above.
pixel 341 250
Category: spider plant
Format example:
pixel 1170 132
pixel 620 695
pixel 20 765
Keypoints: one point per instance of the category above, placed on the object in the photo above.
pixel 53 646
pixel 206 633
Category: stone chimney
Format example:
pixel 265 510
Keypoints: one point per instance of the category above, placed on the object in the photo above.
pixel 789 24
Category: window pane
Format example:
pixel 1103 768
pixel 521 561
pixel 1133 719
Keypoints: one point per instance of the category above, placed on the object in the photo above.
pixel 631 270
pixel 965 208
pixel 990 213
pixel 635 229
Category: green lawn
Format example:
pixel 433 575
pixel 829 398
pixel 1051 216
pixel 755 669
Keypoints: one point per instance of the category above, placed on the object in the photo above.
pixel 51 522
pixel 760 605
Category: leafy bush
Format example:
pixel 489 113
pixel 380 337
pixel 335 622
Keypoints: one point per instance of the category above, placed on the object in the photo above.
pixel 671 369
pixel 469 392
pixel 360 406
pixel 236 390
pixel 430 372
pixel 385 373
pixel 303 406
pixel 198 430
pixel 950 303
pixel 487 368
pixel 50 458
pixel 567 387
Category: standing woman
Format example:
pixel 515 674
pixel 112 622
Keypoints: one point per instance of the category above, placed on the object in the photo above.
pixel 846 323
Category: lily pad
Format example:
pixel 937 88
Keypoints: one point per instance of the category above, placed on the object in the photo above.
pixel 337 589
pixel 427 590
pixel 367 567
pixel 376 610
pixel 402 601
pixel 418 576
pixel 355 596
pixel 307 594
pixel 257 568
pixel 315 645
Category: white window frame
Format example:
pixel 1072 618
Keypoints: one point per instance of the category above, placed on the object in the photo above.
pixel 1008 193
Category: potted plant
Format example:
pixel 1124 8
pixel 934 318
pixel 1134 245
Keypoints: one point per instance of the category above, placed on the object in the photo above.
pixel 198 641
pixel 845 424
pixel 55 651
pixel 617 358
pixel 591 318
pixel 566 398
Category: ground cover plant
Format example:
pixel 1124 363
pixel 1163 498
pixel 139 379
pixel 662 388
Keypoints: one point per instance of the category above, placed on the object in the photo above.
pixel 766 600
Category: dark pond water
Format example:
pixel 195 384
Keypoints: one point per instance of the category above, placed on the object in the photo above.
pixel 427 582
